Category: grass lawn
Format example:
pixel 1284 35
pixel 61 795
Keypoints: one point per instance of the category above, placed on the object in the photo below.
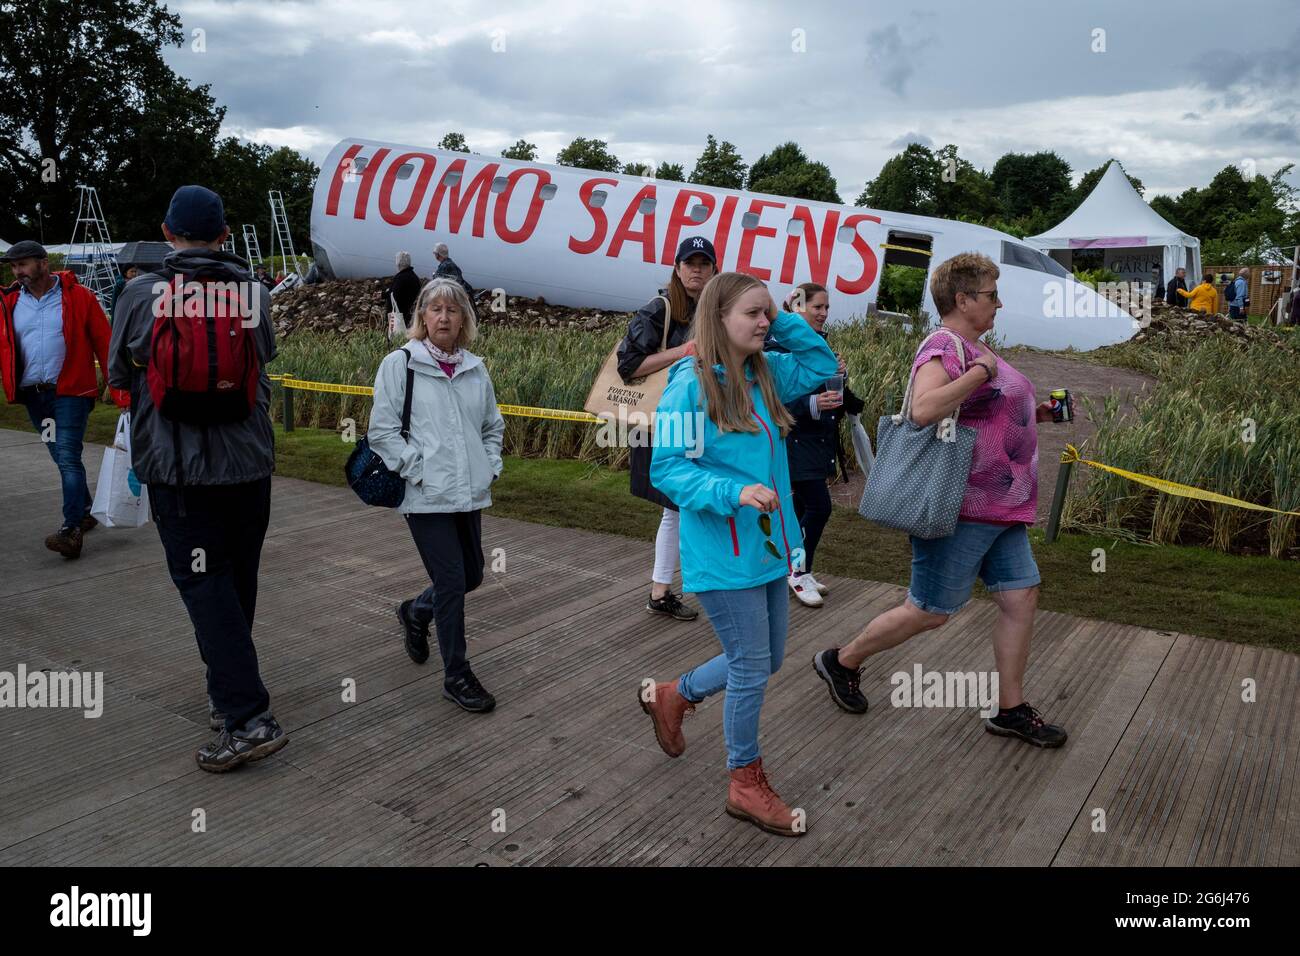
pixel 1248 600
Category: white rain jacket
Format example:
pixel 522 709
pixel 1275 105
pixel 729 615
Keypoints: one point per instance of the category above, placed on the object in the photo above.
pixel 454 451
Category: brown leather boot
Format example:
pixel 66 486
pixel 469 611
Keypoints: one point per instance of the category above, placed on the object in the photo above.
pixel 752 798
pixel 666 711
pixel 66 541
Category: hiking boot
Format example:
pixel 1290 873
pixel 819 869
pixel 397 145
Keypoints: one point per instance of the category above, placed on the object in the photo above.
pixel 805 590
pixel 216 719
pixel 234 747
pixel 417 635
pixel 844 684
pixel 666 711
pixel 751 798
pixel 469 693
pixel 89 523
pixel 1027 724
pixel 671 605
pixel 66 541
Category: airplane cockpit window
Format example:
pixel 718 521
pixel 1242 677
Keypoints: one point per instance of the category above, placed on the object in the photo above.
pixel 1017 254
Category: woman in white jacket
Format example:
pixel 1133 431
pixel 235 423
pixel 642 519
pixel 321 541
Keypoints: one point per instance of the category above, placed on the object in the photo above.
pixel 449 461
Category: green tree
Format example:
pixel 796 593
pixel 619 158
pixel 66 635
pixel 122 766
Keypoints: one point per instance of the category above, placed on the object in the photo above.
pixel 786 171
pixel 454 142
pixel 1028 185
pixel 591 154
pixel 90 100
pixel 907 183
pixel 637 169
pixel 962 190
pixel 522 150
pixel 719 165
pixel 673 172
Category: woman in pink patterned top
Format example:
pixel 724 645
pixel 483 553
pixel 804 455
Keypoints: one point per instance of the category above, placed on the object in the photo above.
pixel 991 540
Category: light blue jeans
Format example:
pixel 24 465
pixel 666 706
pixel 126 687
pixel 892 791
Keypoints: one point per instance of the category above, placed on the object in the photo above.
pixel 751 625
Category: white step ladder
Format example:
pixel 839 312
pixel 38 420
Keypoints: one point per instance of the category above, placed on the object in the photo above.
pixel 252 251
pixel 90 245
pixel 281 237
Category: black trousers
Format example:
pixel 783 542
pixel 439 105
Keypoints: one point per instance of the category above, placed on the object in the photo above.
pixel 812 507
pixel 226 524
pixel 451 547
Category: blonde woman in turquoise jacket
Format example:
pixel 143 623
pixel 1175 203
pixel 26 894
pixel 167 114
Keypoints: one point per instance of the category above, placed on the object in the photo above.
pixel 720 455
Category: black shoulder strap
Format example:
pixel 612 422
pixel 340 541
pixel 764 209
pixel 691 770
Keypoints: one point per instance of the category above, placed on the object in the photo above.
pixel 406 401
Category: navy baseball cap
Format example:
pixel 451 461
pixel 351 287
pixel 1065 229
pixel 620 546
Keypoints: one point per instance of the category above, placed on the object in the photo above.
pixel 696 244
pixel 196 213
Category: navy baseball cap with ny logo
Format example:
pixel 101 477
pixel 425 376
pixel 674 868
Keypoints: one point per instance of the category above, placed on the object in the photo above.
pixel 696 244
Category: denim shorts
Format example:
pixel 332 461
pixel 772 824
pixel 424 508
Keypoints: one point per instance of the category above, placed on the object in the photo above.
pixel 944 569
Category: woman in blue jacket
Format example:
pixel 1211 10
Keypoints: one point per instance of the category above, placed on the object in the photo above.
pixel 720 455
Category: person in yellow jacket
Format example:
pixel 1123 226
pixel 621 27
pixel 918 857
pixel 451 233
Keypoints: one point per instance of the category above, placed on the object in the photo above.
pixel 1203 298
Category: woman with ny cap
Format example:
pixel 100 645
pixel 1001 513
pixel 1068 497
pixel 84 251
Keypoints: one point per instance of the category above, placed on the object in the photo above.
pixel 641 353
pixel 738 531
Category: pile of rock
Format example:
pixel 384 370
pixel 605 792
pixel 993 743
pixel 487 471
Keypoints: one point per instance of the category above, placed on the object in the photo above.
pixel 347 304
pixel 1172 327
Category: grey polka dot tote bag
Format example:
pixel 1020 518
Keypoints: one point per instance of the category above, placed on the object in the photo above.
pixel 919 478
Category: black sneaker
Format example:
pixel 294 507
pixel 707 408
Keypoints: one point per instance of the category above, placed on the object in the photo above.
pixel 844 684
pixel 671 605
pixel 1027 724
pixel 417 635
pixel 469 693
pixel 235 747
pixel 216 719
pixel 89 523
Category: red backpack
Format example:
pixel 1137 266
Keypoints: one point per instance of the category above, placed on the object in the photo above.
pixel 203 366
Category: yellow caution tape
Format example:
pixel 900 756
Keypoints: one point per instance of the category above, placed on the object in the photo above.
pixel 1169 487
pixel 525 411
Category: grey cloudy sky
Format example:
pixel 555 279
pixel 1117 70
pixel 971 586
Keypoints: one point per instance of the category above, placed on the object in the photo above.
pixel 1181 89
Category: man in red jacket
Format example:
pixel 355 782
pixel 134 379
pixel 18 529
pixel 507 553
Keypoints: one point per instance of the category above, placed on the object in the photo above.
pixel 51 331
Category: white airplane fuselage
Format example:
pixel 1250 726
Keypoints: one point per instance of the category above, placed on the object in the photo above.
pixel 605 240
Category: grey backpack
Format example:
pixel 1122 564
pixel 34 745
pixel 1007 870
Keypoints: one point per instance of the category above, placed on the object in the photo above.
pixel 919 477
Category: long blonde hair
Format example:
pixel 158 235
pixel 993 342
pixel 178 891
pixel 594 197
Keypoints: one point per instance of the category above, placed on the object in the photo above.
pixel 730 406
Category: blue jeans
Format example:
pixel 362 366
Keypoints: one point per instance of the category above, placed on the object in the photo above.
pixel 751 624
pixel 944 569
pixel 70 414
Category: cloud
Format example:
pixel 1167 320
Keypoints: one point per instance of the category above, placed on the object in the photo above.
pixel 902 142
pixel 892 57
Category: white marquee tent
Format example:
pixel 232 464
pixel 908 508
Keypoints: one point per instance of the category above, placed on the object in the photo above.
pixel 1135 238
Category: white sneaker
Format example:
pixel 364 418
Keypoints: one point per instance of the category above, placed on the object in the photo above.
pixel 813 582
pixel 805 592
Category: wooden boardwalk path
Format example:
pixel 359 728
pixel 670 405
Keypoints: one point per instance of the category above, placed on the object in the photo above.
pixel 1161 741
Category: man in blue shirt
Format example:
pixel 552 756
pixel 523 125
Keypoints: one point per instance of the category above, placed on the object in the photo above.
pixel 51 331
pixel 1236 294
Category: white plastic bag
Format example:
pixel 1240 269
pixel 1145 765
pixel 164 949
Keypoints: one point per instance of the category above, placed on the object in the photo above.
pixel 862 445
pixel 121 501
pixel 396 321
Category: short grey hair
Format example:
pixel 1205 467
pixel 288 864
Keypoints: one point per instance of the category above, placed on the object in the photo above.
pixel 403 260
pixel 444 289
pixel 440 249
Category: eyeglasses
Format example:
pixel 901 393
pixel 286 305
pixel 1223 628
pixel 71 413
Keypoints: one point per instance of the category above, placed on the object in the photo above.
pixel 765 525
pixel 991 293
